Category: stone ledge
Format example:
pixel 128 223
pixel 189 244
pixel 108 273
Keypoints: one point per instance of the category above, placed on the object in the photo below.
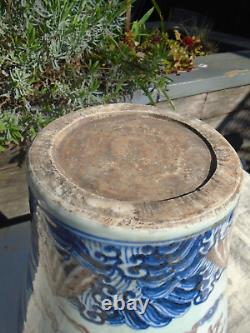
pixel 212 73
pixel 209 105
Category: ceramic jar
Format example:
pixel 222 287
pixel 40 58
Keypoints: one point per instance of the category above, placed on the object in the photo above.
pixel 131 218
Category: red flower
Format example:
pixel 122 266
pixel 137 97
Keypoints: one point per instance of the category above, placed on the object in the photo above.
pixel 188 41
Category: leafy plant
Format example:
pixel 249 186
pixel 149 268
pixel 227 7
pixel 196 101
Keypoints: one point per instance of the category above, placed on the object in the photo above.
pixel 157 8
pixel 10 130
pixel 138 28
pixel 60 55
pixel 183 51
pixel 51 59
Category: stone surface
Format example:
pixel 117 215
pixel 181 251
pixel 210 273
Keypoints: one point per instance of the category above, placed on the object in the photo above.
pixel 14 250
pixel 13 192
pixel 8 158
pixel 215 121
pixel 209 105
pixel 224 101
pixel 213 72
pixel 190 106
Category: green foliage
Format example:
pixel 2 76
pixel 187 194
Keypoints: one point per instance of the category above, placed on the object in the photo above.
pixel 182 52
pixel 51 60
pixel 159 12
pixel 10 130
pixel 138 28
pixel 60 55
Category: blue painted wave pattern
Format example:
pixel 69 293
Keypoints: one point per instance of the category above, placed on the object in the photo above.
pixel 172 275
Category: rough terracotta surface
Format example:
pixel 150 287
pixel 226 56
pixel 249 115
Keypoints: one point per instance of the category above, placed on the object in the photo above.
pixel 219 189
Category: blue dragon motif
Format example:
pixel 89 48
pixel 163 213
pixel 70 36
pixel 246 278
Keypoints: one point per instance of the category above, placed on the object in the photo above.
pixel 173 275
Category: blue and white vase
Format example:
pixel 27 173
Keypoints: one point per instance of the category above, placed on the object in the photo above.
pixel 132 209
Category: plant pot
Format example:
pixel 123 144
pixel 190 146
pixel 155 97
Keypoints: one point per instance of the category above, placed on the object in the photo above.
pixel 132 210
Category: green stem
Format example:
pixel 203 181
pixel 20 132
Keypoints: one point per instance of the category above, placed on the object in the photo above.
pixel 8 6
pixel 160 14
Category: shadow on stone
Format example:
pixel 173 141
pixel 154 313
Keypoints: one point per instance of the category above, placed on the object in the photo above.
pixel 236 129
pixel 5 222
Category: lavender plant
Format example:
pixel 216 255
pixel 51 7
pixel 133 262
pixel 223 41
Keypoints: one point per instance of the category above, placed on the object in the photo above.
pixel 57 56
pixel 51 61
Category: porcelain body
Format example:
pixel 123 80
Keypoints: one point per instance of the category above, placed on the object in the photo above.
pixel 103 265
pixel 73 272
